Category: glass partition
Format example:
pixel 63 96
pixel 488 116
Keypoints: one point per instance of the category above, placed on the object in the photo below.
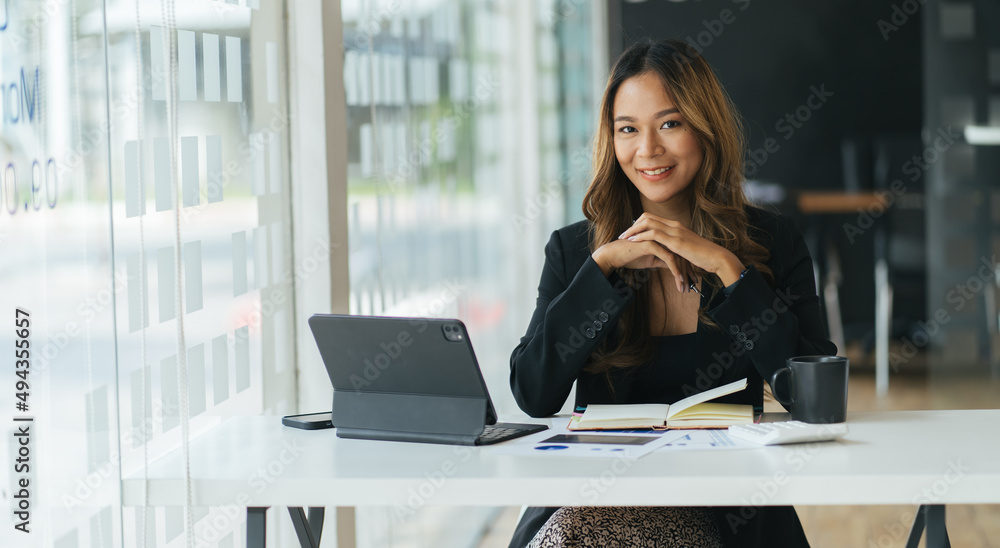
pixel 468 128
pixel 59 400
pixel 146 225
pixel 201 216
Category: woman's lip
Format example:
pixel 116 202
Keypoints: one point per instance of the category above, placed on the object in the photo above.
pixel 659 177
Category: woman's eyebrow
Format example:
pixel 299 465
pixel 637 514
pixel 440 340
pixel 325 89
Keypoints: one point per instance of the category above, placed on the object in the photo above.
pixel 660 114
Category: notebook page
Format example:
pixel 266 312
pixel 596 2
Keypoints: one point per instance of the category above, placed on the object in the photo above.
pixel 721 411
pixel 653 412
pixel 707 395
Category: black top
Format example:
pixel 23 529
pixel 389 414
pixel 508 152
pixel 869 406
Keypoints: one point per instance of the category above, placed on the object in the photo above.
pixel 759 326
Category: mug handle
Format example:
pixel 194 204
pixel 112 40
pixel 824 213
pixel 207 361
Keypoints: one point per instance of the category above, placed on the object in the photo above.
pixel 791 386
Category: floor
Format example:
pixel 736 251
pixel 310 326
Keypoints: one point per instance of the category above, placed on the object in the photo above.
pixel 875 526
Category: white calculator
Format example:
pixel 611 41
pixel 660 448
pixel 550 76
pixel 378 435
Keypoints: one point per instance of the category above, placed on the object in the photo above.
pixel 777 433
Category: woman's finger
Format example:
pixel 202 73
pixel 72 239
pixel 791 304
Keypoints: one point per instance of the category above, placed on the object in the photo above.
pixel 675 244
pixel 687 273
pixel 643 223
pixel 669 259
pixel 648 221
pixel 678 265
pixel 690 278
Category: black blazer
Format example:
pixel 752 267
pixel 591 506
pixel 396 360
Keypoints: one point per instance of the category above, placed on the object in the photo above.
pixel 759 327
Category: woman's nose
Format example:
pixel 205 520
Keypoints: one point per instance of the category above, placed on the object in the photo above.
pixel 650 145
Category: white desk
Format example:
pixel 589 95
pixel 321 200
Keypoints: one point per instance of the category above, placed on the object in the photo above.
pixel 909 457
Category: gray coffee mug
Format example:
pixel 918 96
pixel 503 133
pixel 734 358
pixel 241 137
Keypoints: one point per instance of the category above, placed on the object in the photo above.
pixel 816 388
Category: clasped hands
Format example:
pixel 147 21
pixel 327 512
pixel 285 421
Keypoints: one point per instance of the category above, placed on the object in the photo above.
pixel 657 242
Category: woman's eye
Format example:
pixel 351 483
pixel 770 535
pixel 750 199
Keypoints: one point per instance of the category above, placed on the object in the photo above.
pixel 670 124
pixel 627 129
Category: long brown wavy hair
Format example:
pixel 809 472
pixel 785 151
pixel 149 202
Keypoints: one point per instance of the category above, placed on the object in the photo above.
pixel 718 204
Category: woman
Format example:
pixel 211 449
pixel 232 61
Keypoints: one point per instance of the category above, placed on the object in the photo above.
pixel 673 285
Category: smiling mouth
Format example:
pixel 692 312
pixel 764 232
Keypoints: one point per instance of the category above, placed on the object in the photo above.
pixel 656 171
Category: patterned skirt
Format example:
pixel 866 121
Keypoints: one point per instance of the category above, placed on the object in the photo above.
pixel 628 526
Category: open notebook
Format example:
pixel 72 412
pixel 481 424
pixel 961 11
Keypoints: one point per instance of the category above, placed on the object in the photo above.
pixel 691 412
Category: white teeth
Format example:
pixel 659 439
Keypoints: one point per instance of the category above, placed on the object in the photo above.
pixel 656 171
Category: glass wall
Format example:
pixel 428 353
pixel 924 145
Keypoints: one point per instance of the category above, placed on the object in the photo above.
pixel 145 217
pixel 146 196
pixel 59 400
pixel 206 259
pixel 468 133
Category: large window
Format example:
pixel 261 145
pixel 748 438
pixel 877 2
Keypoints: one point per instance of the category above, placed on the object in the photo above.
pixel 468 132
pixel 145 220
pixel 147 202
pixel 56 243
pixel 207 259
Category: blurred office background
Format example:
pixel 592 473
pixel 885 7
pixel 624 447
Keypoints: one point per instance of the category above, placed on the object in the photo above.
pixel 186 181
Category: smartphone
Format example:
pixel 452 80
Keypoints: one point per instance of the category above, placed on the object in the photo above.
pixel 309 421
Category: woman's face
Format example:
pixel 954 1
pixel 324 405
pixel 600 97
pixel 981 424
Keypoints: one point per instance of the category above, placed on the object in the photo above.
pixel 655 147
